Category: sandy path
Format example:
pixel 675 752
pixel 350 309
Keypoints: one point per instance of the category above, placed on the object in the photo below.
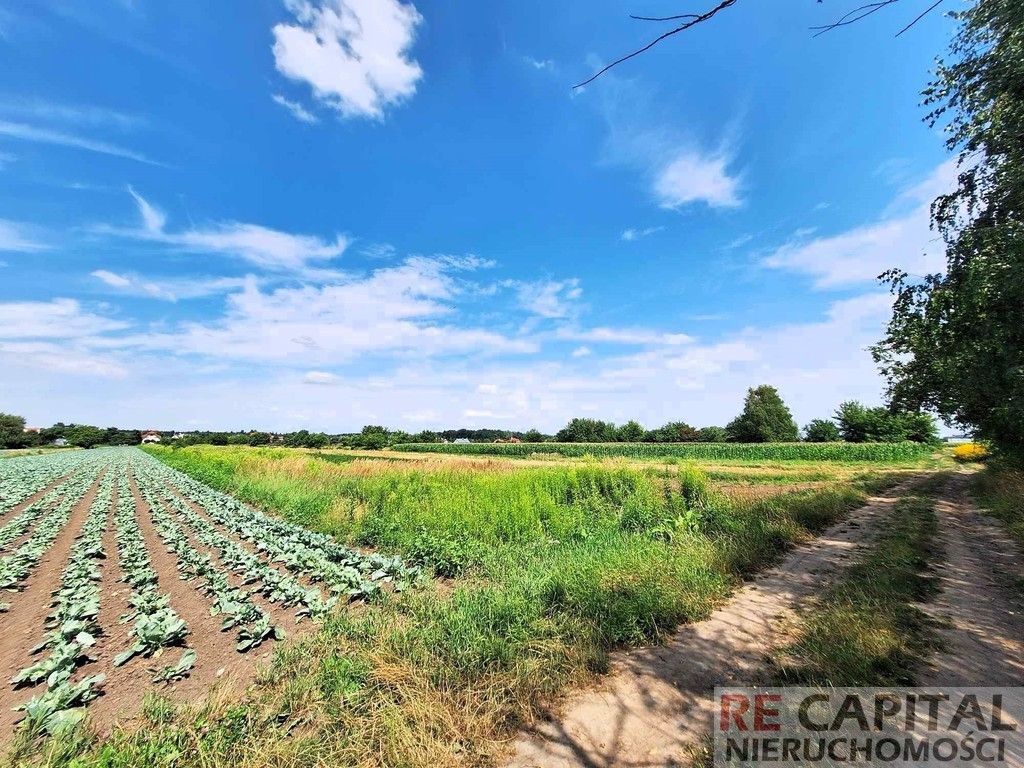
pixel 984 638
pixel 22 628
pixel 657 702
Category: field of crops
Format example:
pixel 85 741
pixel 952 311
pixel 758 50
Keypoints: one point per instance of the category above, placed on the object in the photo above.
pixel 869 452
pixel 122 575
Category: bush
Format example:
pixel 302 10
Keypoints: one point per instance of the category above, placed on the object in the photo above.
pixel 822 431
pixel 969 452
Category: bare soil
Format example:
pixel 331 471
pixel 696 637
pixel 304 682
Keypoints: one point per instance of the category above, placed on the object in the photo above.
pixel 981 603
pixel 21 628
pixel 656 704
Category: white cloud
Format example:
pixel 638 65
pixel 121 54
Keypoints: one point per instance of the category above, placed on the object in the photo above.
pixel 265 247
pixel 170 289
pixel 153 219
pixel 539 63
pixel 635 336
pixel 57 319
pixel 320 377
pixel 548 298
pixel 631 234
pixel 354 54
pixel 815 364
pixel 16 237
pixel 298 111
pixel 695 178
pixel 47 136
pixel 582 352
pixel 899 238
pixel 394 310
pixel 112 279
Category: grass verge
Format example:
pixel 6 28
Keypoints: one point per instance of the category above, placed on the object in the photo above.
pixel 867 629
pixel 1000 489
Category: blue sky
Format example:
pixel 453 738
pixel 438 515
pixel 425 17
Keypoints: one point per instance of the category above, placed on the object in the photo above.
pixel 285 214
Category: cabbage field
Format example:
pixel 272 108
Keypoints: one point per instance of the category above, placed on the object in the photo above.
pixel 120 574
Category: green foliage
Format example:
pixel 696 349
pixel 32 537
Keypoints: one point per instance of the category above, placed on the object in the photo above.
pixel 630 432
pixel 673 432
pixel 712 434
pixel 822 431
pixel 586 431
pixel 765 418
pixel 12 432
pixel 955 343
pixel 859 424
pixel 866 452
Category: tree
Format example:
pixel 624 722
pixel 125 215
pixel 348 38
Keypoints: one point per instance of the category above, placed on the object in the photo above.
pixel 859 424
pixel 822 431
pixel 765 419
pixel 673 432
pixel 12 431
pixel 712 434
pixel 684 21
pixel 955 343
pixel 630 432
pixel 373 437
pixel 586 431
pixel 533 436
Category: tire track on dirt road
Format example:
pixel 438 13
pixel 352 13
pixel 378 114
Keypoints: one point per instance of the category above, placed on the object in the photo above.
pixel 655 705
pixel 979 604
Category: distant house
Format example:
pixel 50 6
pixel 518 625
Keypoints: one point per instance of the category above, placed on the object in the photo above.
pixel 178 436
pixel 60 442
pixel 150 437
pixel 31 430
pixel 462 441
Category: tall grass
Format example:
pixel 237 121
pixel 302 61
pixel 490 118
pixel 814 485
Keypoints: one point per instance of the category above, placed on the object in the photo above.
pixel 554 567
pixel 877 452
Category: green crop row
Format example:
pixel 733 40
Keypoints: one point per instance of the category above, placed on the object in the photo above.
pixel 876 452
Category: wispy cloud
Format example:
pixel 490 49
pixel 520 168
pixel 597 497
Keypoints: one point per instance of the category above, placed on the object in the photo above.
pixel 18 237
pixel 631 234
pixel 548 298
pixel 900 238
pixel 169 289
pixel 40 135
pixel 630 336
pixel 262 246
pixel 354 54
pixel 298 111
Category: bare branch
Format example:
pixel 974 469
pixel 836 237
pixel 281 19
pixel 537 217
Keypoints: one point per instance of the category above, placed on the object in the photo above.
pixel 694 19
pixel 924 13
pixel 852 17
pixel 665 18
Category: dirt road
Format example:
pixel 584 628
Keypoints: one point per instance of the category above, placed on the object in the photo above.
pixel 655 705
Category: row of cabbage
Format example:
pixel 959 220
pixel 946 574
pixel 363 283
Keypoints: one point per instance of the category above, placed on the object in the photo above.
pixel 237 556
pixel 346 573
pixel 23 476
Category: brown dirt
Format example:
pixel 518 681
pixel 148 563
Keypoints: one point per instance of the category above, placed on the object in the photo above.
pixel 980 603
pixel 654 707
pixel 22 627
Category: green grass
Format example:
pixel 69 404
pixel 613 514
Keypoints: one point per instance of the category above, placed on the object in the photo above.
pixel 867 630
pixel 873 452
pixel 553 567
pixel 1000 490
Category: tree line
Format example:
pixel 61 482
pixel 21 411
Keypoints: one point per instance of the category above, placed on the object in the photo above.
pixel 765 419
